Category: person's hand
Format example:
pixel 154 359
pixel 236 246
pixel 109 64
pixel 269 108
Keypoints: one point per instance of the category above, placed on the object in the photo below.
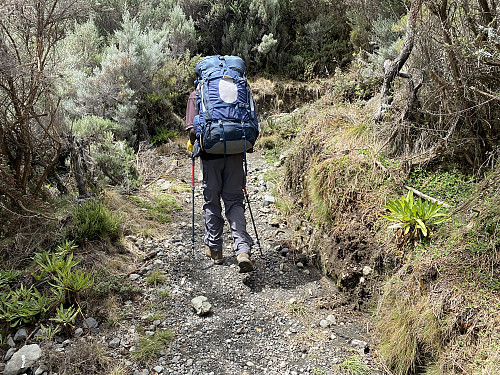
pixel 189 146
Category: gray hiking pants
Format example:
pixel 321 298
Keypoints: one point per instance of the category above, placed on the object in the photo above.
pixel 225 178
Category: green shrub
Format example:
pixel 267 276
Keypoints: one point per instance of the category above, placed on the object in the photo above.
pixel 116 161
pixel 94 127
pixel 113 156
pixel 361 82
pixel 94 221
pixel 163 135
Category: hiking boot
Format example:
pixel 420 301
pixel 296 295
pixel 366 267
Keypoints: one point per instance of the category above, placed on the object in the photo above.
pixel 245 263
pixel 215 254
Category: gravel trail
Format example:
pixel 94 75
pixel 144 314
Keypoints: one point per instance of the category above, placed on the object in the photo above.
pixel 271 321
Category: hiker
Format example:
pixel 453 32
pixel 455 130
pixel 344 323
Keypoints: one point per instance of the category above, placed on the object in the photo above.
pixel 223 177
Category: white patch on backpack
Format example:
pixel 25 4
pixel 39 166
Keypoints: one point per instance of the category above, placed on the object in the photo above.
pixel 228 91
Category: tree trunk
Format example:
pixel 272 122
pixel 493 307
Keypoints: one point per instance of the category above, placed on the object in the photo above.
pixel 392 68
pixel 77 167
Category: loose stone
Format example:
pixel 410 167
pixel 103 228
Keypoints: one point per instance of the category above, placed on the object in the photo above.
pixel 367 270
pixel 91 323
pixel 23 359
pixel 114 343
pixel 20 335
pixel 201 305
pixel 9 354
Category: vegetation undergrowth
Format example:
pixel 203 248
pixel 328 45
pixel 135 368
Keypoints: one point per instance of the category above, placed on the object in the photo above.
pixel 438 312
pixel 56 288
pixel 54 292
pixel 158 206
pixel 93 220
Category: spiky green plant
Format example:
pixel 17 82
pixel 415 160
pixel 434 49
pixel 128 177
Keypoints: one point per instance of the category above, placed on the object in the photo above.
pixel 66 317
pixel 414 218
pixel 53 263
pixel 73 283
pixel 23 305
pixel 48 333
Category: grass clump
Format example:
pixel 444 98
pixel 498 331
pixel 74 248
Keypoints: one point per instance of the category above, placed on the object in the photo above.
pixel 87 358
pixel 336 184
pixel 285 126
pixel 164 293
pixel 150 347
pixel 156 277
pixel 158 207
pixel 355 366
pixel 156 315
pixel 412 332
pixel 118 370
pixel 296 308
pixel 93 221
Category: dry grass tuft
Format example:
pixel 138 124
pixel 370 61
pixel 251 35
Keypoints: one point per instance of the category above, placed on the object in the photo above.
pixel 22 233
pixel 411 327
pixel 337 183
pixel 428 325
pixel 118 370
pixel 82 358
pixel 153 163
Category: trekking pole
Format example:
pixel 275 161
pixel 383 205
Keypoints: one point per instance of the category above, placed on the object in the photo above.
pixel 253 221
pixel 192 191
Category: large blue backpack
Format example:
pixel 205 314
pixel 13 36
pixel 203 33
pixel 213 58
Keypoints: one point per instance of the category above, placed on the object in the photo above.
pixel 227 121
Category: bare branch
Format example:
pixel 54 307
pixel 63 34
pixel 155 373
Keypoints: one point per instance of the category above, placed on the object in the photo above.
pixel 485 93
pixel 422 195
pixel 392 68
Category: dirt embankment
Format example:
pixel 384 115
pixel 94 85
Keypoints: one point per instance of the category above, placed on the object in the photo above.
pixel 272 97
